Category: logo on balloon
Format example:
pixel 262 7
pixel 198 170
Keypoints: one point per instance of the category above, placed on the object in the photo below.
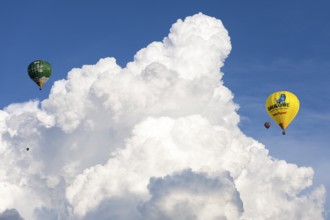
pixel 279 103
pixel 281 99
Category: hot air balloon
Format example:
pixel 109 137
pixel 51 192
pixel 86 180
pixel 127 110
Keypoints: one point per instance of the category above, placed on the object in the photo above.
pixel 39 71
pixel 267 124
pixel 282 107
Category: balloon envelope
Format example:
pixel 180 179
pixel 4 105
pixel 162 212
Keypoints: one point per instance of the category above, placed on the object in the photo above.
pixel 39 71
pixel 267 124
pixel 282 107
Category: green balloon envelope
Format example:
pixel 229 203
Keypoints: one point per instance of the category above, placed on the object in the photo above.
pixel 39 71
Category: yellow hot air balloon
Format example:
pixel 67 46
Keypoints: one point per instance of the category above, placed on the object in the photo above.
pixel 282 107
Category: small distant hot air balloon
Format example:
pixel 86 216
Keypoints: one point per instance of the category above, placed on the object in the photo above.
pixel 39 71
pixel 267 124
pixel 282 107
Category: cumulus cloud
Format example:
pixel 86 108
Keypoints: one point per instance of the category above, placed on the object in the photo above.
pixel 191 195
pixel 157 139
pixel 10 214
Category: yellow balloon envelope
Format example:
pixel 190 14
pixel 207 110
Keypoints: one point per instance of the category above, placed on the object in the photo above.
pixel 282 107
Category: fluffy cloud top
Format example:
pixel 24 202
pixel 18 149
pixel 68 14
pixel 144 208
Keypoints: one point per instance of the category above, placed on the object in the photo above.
pixel 157 139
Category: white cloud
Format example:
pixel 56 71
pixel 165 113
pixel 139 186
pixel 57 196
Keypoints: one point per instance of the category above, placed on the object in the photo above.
pixel 11 214
pixel 157 139
pixel 189 195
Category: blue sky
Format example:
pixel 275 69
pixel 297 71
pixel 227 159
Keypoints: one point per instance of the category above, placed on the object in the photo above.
pixel 276 45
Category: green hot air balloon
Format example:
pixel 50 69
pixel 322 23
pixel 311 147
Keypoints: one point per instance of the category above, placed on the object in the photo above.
pixel 39 71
